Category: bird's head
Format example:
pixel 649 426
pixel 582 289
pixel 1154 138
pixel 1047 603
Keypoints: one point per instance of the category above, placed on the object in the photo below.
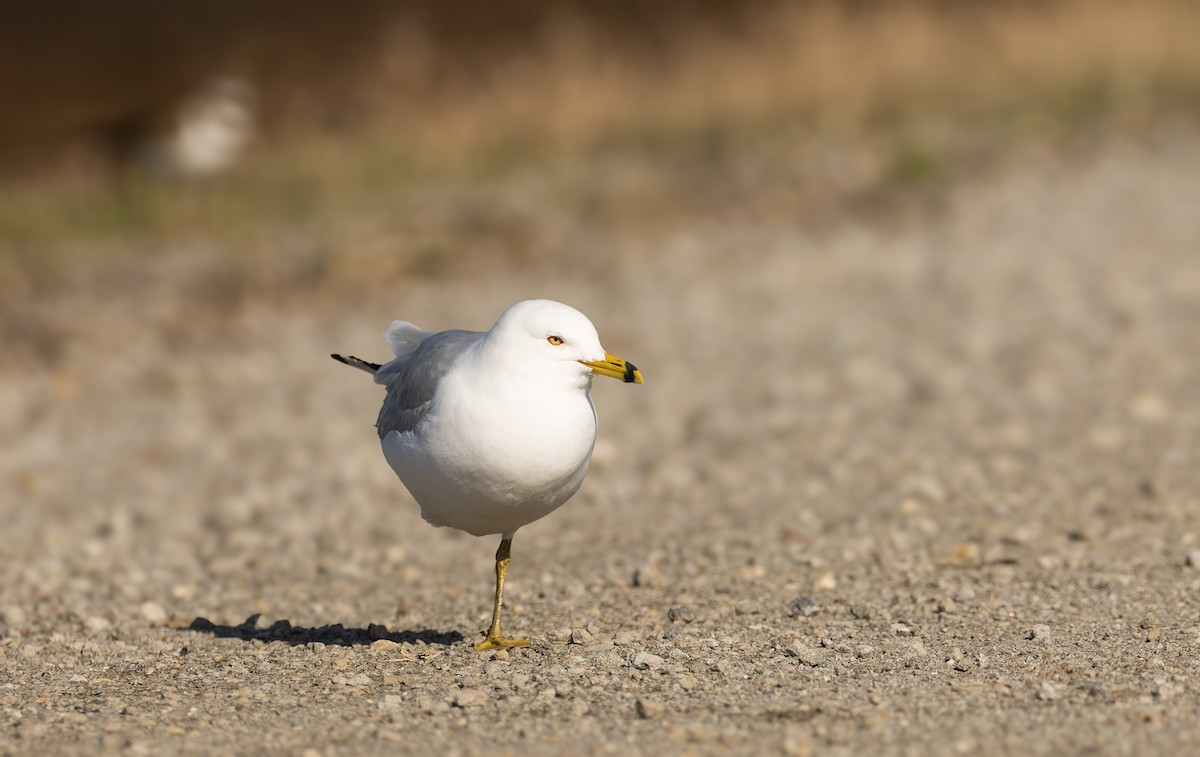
pixel 547 336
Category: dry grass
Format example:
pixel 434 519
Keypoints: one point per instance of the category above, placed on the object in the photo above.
pixel 809 109
pixel 826 62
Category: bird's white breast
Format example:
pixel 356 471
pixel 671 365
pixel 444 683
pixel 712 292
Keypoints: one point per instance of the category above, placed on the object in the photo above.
pixel 496 454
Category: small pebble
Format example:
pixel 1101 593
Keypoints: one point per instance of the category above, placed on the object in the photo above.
pixel 13 615
pixel 429 703
pixel 648 709
pixel 626 638
pixel 1150 408
pixel 916 648
pixel 580 636
pixel 96 623
pixel 1164 689
pixel 803 607
pixel 1040 632
pixel 807 655
pixel 900 629
pixel 968 553
pixel 470 698
pixel 153 613
pixel 384 645
pixel 681 614
pixel 646 661
pixel 391 703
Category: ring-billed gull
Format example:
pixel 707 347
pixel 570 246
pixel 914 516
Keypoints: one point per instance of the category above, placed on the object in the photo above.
pixel 492 430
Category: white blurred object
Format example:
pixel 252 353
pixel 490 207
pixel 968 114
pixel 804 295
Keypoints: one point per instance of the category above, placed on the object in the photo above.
pixel 207 132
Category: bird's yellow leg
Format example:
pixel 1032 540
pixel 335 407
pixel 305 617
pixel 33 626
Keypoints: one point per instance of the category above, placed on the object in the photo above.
pixel 494 640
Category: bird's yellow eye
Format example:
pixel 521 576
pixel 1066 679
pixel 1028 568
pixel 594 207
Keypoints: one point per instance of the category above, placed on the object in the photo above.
pixel 555 340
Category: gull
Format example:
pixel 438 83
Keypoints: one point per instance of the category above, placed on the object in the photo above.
pixel 490 431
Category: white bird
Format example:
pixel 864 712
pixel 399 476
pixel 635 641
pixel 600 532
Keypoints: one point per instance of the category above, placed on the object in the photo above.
pixel 492 430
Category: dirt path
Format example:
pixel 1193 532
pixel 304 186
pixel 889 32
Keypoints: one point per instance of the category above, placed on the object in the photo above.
pixel 926 487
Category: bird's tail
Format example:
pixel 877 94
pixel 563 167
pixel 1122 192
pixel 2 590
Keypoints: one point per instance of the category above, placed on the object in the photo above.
pixel 358 363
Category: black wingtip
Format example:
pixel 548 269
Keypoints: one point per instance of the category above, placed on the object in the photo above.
pixel 355 362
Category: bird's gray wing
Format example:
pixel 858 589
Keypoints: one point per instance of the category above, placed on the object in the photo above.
pixel 412 380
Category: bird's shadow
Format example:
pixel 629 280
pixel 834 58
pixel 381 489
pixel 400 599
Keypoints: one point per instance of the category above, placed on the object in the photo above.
pixel 336 634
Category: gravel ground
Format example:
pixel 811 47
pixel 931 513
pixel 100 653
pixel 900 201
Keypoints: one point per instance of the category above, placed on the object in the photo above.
pixel 916 486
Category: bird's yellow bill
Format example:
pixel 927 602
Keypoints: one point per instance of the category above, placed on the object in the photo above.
pixel 615 367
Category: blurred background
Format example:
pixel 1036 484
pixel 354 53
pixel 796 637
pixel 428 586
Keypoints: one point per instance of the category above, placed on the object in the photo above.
pixel 283 145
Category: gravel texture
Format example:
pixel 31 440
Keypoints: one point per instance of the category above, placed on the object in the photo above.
pixel 910 486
